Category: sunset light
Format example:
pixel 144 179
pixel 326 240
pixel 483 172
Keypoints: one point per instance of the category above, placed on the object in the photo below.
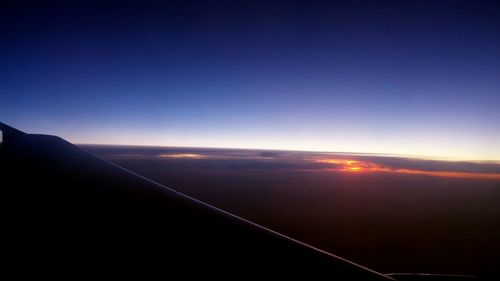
pixel 357 166
pixel 181 155
pixel 351 165
pixel 224 137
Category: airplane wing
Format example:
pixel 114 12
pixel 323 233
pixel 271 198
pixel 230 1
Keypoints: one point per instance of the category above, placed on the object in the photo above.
pixel 68 211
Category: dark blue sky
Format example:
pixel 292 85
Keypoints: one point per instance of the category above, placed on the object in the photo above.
pixel 420 78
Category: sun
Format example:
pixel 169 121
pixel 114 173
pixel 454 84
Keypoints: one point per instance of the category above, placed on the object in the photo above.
pixel 352 166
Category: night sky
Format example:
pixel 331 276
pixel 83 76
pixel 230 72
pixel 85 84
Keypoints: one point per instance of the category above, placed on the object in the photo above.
pixel 399 77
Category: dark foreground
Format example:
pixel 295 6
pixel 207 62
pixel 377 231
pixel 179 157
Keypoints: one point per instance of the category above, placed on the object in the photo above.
pixel 69 214
pixel 390 220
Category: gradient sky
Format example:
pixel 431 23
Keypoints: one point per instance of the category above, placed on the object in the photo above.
pixel 419 78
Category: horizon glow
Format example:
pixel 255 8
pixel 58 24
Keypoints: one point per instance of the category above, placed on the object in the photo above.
pixel 356 166
pixel 306 162
pixel 416 78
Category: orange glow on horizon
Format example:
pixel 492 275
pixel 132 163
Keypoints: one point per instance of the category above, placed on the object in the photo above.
pixel 352 165
pixel 355 166
pixel 354 169
pixel 182 155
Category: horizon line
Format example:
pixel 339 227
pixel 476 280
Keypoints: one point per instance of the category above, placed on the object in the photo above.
pixel 378 154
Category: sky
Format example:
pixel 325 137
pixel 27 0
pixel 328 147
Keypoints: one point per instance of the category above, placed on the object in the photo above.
pixel 418 78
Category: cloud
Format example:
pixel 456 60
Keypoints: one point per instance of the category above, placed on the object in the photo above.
pixel 238 159
pixel 414 166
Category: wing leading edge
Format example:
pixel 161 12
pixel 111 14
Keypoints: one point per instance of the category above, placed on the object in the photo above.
pixel 71 211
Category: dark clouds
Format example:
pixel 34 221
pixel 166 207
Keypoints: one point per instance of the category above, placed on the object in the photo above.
pixel 388 221
pixel 254 159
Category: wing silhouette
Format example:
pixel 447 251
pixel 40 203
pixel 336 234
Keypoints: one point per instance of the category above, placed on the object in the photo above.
pixel 69 212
